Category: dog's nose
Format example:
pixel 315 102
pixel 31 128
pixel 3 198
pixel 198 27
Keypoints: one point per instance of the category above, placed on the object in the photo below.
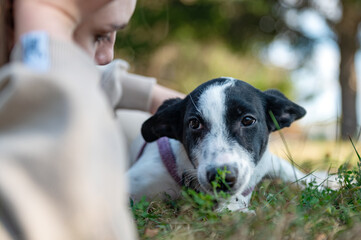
pixel 229 180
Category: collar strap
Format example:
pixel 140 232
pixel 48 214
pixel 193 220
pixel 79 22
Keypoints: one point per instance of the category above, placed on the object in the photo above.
pixel 248 191
pixel 168 158
pixel 141 150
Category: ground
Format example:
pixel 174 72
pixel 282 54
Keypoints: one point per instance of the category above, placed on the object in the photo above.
pixel 281 210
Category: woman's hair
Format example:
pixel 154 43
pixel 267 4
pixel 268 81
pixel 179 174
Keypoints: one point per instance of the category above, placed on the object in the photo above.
pixel 6 30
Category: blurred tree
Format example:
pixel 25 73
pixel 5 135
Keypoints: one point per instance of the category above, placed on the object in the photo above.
pixel 343 22
pixel 247 26
pixel 347 32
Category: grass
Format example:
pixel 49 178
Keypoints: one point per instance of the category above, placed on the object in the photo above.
pixel 282 211
pixel 314 155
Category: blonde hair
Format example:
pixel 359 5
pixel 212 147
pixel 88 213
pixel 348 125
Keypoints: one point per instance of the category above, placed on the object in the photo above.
pixel 6 30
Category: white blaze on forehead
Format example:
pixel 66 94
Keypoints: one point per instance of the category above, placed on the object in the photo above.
pixel 212 106
pixel 217 148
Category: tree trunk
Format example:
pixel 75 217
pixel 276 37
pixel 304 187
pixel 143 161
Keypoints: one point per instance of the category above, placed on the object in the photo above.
pixel 347 42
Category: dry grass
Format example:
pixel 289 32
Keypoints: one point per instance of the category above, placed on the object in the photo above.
pixel 312 155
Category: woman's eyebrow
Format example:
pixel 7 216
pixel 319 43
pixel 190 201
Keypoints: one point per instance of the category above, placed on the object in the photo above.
pixel 117 27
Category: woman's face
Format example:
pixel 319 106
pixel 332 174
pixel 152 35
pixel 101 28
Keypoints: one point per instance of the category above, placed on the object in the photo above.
pixel 96 34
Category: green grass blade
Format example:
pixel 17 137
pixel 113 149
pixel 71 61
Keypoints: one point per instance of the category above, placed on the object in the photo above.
pixel 353 145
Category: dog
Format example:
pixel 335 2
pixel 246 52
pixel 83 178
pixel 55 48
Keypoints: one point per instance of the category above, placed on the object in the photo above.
pixel 224 123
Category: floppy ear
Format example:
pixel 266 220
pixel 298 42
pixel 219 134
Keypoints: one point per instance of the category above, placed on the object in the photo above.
pixel 284 110
pixel 166 122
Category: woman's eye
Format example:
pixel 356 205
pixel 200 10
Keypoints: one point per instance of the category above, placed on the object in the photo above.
pixel 195 124
pixel 248 121
pixel 102 37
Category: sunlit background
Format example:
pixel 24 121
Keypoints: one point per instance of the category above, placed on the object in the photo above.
pixel 292 45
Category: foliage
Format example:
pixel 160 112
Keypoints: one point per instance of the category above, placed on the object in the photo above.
pixel 176 41
pixel 185 43
pixel 243 26
pixel 283 211
pixel 156 23
pixel 185 67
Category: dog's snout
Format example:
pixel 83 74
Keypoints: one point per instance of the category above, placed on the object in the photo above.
pixel 229 179
pixel 211 174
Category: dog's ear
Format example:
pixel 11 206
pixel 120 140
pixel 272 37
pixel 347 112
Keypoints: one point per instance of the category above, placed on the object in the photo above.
pixel 284 110
pixel 166 122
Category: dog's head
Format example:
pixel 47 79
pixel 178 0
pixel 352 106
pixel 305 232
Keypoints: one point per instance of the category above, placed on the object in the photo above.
pixel 223 123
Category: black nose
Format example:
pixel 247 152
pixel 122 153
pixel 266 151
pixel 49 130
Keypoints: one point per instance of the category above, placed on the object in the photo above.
pixel 228 182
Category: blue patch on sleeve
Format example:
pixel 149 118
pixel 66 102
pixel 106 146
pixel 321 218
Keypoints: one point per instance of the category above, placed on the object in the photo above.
pixel 35 47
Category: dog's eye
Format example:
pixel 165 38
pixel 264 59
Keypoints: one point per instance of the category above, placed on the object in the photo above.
pixel 195 124
pixel 248 121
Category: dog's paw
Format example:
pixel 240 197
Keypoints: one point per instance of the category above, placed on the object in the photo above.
pixel 237 203
pixel 323 180
pixel 236 208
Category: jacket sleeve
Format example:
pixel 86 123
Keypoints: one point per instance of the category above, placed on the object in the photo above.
pixel 61 157
pixel 126 90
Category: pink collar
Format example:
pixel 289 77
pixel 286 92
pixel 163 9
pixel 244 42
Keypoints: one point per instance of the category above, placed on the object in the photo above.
pixel 167 156
pixel 248 191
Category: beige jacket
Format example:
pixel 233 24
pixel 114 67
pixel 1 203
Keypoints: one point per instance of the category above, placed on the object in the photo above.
pixel 125 90
pixel 61 157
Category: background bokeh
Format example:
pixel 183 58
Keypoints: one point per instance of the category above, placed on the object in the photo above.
pixel 306 48
pixel 184 43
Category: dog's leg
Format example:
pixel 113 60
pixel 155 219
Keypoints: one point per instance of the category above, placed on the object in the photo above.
pixel 280 168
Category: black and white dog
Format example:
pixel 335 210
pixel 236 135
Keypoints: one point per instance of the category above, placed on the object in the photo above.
pixel 223 123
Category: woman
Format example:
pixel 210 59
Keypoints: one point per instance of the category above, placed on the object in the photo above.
pixel 136 88
pixel 61 157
